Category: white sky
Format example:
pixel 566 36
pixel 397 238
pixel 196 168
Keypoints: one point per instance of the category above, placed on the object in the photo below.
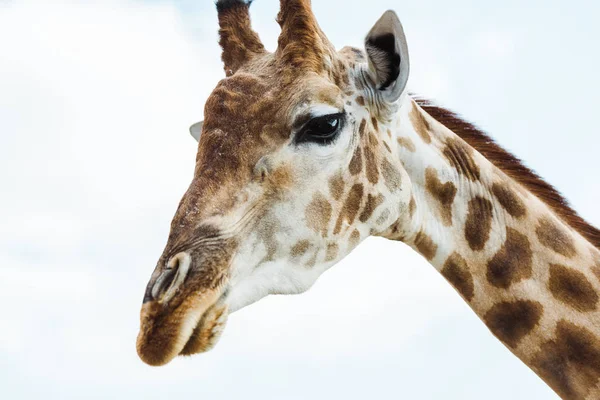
pixel 95 101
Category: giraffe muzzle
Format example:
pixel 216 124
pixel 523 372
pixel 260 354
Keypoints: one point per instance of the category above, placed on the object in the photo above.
pixel 181 314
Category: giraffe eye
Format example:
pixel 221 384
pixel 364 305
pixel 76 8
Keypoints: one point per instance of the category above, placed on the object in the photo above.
pixel 321 130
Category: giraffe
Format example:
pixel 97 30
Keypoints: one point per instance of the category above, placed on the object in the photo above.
pixel 307 151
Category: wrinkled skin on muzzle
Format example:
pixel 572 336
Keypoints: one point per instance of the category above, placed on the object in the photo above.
pixel 183 311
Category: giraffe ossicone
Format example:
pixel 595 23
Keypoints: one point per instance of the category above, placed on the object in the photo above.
pixel 307 151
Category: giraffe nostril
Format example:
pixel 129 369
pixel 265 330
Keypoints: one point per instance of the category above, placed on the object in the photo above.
pixel 171 278
pixel 163 282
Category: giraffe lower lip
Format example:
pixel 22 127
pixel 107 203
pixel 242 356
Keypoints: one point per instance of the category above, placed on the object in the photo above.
pixel 208 330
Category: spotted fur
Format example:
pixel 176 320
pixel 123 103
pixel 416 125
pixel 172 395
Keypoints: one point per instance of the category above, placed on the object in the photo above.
pixel 267 213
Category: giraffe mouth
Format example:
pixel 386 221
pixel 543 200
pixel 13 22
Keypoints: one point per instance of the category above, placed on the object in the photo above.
pixel 208 331
pixel 195 326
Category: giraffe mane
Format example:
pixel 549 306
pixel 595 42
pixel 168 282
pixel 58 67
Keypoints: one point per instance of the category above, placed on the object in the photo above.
pixel 513 167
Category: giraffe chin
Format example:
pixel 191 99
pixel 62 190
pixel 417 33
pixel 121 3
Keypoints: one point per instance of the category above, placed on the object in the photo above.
pixel 193 327
pixel 208 331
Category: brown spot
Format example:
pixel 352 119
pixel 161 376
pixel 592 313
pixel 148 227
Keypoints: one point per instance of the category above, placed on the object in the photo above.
pixel 351 207
pixel 570 362
pixel 356 163
pixel 391 176
pixel 267 233
pixel 387 147
pixel 512 263
pixel 509 200
pixel 318 214
pixel 407 143
pixel 425 245
pixel 555 237
pixel 281 177
pixel 313 260
pixel 360 100
pixel 512 321
pixel 373 141
pixel 572 288
pixel 372 203
pixel 375 123
pixel 385 214
pixel 371 165
pixel 332 252
pixel 420 124
pixel 336 186
pixel 361 128
pixel 479 223
pixel 412 207
pixel 456 271
pixel 354 238
pixel 389 133
pixel 443 193
pixel 300 248
pixel 461 157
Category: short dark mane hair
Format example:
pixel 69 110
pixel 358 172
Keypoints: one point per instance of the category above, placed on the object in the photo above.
pixel 513 167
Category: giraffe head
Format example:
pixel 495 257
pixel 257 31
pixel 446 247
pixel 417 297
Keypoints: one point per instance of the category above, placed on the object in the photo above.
pixel 294 168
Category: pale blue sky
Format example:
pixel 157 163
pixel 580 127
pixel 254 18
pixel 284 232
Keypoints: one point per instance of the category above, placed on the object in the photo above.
pixel 95 101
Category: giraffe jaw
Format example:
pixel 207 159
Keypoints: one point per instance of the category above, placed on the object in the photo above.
pixel 193 327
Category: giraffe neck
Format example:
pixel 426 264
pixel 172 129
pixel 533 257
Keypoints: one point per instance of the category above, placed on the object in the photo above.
pixel 532 279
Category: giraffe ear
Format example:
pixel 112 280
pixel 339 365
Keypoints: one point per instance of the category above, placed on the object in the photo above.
pixel 196 130
pixel 388 56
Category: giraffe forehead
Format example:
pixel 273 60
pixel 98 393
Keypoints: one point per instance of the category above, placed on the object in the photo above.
pixel 249 100
pixel 319 94
pixel 241 100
